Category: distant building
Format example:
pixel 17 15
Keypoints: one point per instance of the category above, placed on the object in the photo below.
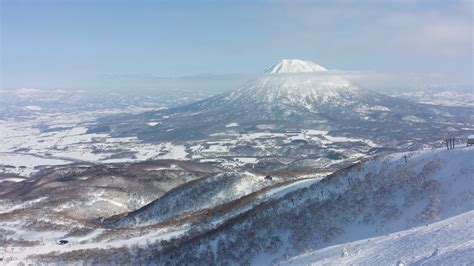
pixel 470 140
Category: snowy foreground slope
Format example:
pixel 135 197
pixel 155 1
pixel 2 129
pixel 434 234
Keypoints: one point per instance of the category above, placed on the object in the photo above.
pixel 380 211
pixel 379 197
pixel 447 242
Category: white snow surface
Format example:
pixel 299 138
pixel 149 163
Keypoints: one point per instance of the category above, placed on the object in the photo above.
pixel 294 66
pixel 153 123
pixel 232 125
pixel 447 242
pixel 12 179
pixel 24 164
pixel 439 231
pixel 33 108
pixel 298 90
pixel 283 190
pixel 24 147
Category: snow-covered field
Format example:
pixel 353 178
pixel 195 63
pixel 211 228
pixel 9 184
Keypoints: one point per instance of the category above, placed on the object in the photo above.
pixel 267 144
pixel 438 96
pixel 55 139
pixel 24 147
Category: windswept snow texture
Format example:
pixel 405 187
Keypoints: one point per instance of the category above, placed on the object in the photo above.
pixel 447 242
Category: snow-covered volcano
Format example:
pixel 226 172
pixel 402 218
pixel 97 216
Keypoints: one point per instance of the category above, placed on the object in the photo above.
pixel 297 94
pixel 297 85
pixel 289 88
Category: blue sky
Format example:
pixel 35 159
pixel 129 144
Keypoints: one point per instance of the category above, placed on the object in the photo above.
pixel 85 44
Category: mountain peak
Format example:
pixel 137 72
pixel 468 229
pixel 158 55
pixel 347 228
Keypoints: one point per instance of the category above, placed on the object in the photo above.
pixel 294 66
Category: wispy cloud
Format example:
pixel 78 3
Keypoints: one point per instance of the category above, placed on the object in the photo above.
pixel 431 34
pixel 411 28
pixel 374 80
pixel 207 82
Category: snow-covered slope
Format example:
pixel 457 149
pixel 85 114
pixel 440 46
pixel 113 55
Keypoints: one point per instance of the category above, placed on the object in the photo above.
pixel 294 66
pixel 309 92
pixel 408 204
pixel 447 242
pixel 376 198
pixel 294 86
pixel 194 196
